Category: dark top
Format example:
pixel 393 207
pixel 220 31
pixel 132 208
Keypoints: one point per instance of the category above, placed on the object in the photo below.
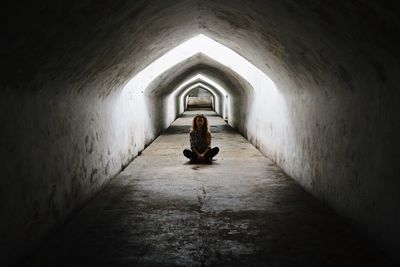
pixel 197 142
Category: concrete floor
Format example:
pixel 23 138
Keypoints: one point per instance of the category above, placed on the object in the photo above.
pixel 242 210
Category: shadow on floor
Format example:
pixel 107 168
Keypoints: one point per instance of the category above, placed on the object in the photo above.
pixel 185 129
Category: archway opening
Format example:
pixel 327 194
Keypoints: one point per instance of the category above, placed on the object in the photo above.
pixel 150 104
pixel 199 98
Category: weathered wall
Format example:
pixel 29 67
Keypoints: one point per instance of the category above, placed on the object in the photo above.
pixel 199 97
pixel 199 102
pixel 58 150
pixel 334 127
pixel 62 68
pixel 335 65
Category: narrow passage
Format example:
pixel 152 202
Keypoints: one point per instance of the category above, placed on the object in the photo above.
pixel 242 210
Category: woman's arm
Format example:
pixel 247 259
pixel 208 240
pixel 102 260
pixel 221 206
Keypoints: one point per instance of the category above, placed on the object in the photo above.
pixel 208 141
pixel 195 151
pixel 193 143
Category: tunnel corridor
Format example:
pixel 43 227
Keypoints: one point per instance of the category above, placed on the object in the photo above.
pixel 96 102
pixel 242 210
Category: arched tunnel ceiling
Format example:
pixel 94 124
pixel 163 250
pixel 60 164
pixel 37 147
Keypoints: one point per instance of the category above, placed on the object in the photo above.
pixel 186 90
pixel 168 81
pixel 210 91
pixel 94 45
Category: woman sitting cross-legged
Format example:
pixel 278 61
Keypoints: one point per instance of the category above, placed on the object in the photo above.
pixel 200 142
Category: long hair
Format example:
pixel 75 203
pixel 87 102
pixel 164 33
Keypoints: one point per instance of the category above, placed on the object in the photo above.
pixel 205 134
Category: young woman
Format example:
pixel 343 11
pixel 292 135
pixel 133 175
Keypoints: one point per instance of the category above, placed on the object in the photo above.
pixel 200 142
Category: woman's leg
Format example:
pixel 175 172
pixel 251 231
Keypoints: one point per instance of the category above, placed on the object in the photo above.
pixel 211 153
pixel 188 153
pixel 208 156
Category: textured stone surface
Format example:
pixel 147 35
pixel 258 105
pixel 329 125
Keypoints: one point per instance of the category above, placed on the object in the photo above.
pixel 242 210
pixel 63 66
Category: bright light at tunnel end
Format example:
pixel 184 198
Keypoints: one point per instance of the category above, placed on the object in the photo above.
pixel 134 96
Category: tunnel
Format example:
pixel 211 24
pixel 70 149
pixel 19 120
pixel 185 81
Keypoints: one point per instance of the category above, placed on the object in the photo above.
pixel 199 97
pixel 88 86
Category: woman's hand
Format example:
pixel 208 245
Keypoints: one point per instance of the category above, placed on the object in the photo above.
pixel 201 157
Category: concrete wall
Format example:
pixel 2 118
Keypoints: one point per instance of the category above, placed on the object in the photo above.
pixel 57 150
pixel 197 101
pixel 336 133
pixel 67 128
pixel 199 97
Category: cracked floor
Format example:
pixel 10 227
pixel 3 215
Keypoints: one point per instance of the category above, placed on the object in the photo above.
pixel 242 210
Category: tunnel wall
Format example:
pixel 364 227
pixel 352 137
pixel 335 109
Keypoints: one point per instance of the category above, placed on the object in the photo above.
pixel 335 67
pixel 62 70
pixel 337 145
pixel 59 150
pixel 63 65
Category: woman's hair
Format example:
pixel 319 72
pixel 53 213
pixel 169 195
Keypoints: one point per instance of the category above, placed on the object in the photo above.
pixel 204 129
